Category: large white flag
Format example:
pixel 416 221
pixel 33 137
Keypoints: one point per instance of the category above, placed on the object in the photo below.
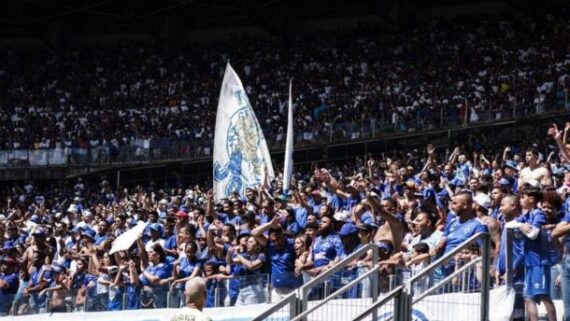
pixel 240 152
pixel 288 168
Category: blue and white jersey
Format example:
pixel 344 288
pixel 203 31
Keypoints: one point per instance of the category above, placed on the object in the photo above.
pixel 534 250
pixel 518 254
pixel 457 232
pixel 283 266
pixel 327 249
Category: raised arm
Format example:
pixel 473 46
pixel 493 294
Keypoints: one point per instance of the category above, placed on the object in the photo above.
pixel 257 232
pixel 557 135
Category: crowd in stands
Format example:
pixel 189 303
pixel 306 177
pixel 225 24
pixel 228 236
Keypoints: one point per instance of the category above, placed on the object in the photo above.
pixel 258 247
pixel 466 70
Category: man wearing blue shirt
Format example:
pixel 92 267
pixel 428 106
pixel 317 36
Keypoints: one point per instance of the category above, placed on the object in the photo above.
pixel 536 260
pixel 326 251
pixel 563 229
pixel 8 284
pixel 281 254
pixel 459 229
pixel 510 211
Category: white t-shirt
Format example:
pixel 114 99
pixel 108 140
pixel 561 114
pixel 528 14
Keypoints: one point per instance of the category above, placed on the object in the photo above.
pixel 151 243
pixel 189 314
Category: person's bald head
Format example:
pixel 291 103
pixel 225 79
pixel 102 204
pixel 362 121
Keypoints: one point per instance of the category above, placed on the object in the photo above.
pixel 195 292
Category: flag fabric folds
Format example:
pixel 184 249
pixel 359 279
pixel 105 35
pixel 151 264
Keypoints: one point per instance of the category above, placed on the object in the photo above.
pixel 241 156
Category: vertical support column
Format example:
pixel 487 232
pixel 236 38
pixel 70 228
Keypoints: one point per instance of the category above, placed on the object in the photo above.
pixel 486 278
pixel 375 284
pixel 509 257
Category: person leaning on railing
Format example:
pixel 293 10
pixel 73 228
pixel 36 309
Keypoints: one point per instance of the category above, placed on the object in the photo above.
pixel 185 268
pixel 155 276
pixel 249 261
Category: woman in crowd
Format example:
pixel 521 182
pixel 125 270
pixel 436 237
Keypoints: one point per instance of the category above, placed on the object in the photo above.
pixel 156 273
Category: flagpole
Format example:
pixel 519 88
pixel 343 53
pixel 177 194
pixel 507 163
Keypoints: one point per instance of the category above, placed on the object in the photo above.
pixel 288 166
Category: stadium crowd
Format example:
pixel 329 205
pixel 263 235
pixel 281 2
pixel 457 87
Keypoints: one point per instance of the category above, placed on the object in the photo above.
pixel 56 241
pixel 450 72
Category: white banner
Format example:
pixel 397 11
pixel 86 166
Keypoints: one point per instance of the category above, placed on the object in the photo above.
pixel 125 240
pixel 288 167
pixel 240 152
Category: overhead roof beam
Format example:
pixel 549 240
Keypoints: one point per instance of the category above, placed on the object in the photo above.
pixel 71 11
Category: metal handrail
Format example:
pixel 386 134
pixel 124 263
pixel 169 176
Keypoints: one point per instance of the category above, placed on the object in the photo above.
pixel 291 298
pixel 302 292
pixel 337 267
pixel 445 257
pixel 337 293
pixel 447 279
pixel 391 295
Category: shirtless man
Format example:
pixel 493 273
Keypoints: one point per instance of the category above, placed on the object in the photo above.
pixel 390 234
pixel 534 171
pixel 481 206
pixel 58 290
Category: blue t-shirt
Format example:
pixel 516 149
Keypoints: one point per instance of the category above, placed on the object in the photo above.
pixel 235 220
pixel 534 250
pixel 211 286
pixel 566 219
pixel 99 239
pixel 293 227
pixel 283 266
pixel 35 277
pixel 12 280
pixel 115 298
pixel 518 255
pixel 187 267
pixel 170 243
pixel 456 232
pixel 301 216
pixel 464 171
pixel 327 249
pixel 350 202
pixel 336 202
pixel 161 270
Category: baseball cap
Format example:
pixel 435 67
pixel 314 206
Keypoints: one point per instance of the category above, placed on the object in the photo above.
pixel 483 200
pixel 181 214
pixel 348 229
pixel 90 233
pixel 511 164
pixel 156 227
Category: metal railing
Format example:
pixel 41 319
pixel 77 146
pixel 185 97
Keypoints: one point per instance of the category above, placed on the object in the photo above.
pixel 373 273
pixel 257 287
pixel 282 310
pixel 319 283
pixel 463 279
pixel 394 298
